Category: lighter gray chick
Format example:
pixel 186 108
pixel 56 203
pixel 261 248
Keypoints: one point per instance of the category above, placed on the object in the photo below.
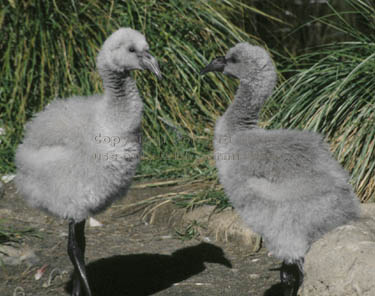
pixel 284 183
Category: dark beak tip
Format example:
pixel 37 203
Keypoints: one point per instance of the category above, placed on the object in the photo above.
pixel 216 65
pixel 224 261
pixel 205 70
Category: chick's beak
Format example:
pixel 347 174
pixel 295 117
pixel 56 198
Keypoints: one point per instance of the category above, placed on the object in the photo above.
pixel 218 64
pixel 150 63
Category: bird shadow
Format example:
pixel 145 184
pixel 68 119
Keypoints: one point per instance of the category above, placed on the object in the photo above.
pixel 145 274
pixel 275 290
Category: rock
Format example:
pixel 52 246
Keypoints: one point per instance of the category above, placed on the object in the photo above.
pixel 342 263
pixel 12 254
pixel 94 223
pixel 7 178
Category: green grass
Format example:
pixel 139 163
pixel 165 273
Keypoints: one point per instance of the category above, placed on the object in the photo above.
pixel 181 157
pixel 290 27
pixel 11 234
pixel 190 231
pixel 333 92
pixel 213 197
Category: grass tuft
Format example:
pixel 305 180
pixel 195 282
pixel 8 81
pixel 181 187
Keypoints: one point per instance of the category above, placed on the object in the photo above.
pixel 190 231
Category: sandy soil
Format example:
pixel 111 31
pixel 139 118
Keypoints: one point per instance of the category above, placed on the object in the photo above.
pixel 127 256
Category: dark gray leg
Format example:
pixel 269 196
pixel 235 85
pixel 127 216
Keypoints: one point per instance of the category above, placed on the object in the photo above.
pixel 291 275
pixel 76 251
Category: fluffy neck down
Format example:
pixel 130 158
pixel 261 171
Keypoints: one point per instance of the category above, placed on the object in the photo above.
pixel 123 103
pixel 251 94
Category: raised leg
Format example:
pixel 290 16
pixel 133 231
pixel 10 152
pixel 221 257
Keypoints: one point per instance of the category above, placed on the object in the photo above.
pixel 76 251
pixel 291 275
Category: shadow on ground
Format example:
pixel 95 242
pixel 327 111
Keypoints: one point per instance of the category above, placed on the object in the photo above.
pixel 146 274
pixel 275 290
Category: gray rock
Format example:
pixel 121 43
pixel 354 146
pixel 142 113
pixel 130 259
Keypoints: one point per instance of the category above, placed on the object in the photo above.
pixel 13 254
pixel 342 263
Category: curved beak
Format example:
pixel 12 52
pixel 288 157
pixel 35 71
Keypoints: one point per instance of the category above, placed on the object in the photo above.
pixel 218 64
pixel 150 63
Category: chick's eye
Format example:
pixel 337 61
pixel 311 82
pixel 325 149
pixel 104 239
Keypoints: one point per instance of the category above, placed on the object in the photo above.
pixel 131 49
pixel 234 59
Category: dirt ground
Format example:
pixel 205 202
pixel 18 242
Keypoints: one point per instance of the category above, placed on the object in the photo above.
pixel 127 256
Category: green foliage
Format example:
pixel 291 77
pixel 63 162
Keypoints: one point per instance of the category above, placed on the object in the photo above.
pixel 190 231
pixel 333 93
pixel 183 158
pixel 289 27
